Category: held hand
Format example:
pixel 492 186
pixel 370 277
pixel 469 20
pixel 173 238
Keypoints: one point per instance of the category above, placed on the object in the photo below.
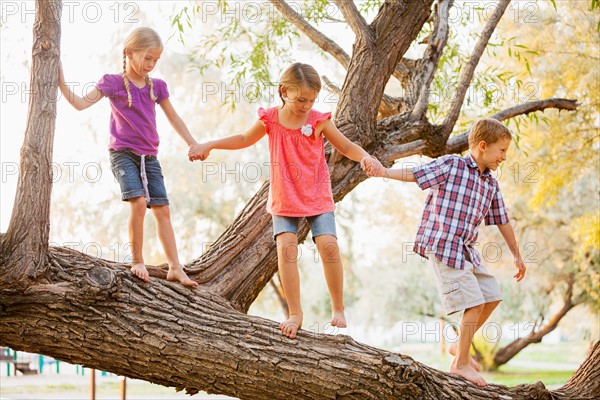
pixel 374 167
pixel 364 163
pixel 520 265
pixel 199 152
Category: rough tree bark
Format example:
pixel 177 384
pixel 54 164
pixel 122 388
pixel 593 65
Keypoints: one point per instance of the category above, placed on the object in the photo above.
pixel 94 313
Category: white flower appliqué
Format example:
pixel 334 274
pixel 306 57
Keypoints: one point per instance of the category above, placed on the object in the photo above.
pixel 307 130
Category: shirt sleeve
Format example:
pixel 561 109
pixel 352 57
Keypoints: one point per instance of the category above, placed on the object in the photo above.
pixel 433 173
pixel 322 117
pixel 160 90
pixel 263 115
pixel 107 85
pixel 497 214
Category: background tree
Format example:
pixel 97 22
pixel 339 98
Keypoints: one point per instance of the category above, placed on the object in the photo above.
pixel 53 298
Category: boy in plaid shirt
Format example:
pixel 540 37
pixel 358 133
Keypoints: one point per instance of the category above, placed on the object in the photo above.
pixel 463 194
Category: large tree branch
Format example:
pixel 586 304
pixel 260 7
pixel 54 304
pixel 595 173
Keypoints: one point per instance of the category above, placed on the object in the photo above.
pixel 459 143
pixel 389 105
pixel 95 313
pixel 431 58
pixel 396 25
pixel 355 20
pixel 467 73
pixel 321 40
pixel 533 106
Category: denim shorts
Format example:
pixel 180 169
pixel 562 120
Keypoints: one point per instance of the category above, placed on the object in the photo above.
pixel 126 167
pixel 322 224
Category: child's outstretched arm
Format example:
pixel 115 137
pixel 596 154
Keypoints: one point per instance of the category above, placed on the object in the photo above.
pixel 509 237
pixel 376 169
pixel 177 123
pixel 343 144
pixel 234 142
pixel 79 103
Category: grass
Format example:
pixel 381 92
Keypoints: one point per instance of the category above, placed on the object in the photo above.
pixel 49 389
pixel 512 376
pixel 570 353
pixel 531 365
pixel 104 388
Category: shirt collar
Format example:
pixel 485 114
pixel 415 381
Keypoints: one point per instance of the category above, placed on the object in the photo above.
pixel 473 164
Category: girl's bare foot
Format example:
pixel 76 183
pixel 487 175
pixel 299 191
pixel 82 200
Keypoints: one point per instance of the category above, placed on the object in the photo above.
pixel 177 274
pixel 140 271
pixel 469 374
pixel 472 361
pixel 290 326
pixel 338 318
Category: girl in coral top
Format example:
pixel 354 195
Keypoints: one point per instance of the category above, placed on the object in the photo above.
pixel 300 186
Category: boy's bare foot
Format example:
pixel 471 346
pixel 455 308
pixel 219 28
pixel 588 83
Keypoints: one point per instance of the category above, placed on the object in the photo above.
pixel 469 374
pixel 140 271
pixel 472 361
pixel 290 326
pixel 338 319
pixel 177 274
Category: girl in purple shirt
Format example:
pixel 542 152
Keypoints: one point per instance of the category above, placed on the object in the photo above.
pixel 133 147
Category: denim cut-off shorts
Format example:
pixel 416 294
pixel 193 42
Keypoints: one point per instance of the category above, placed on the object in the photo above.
pixel 322 224
pixel 126 167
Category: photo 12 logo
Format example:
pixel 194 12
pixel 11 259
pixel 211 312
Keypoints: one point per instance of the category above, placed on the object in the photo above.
pixel 73 11
pixel 527 12
pixel 69 171
pixel 254 12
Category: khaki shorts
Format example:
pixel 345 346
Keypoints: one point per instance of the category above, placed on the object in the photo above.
pixel 461 289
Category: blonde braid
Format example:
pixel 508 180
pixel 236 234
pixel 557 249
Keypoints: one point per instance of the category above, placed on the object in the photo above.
pixel 125 80
pixel 149 82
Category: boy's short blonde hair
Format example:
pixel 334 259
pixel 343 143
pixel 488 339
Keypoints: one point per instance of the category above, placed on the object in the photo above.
pixel 489 130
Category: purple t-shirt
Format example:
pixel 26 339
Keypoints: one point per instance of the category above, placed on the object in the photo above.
pixel 133 127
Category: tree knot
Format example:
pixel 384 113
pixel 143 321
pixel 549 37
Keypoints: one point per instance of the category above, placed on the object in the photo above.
pixel 101 277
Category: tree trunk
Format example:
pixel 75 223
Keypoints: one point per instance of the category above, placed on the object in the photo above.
pixel 92 312
pixel 27 236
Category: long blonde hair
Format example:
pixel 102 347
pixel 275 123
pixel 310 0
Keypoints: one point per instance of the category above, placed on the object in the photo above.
pixel 299 75
pixel 140 39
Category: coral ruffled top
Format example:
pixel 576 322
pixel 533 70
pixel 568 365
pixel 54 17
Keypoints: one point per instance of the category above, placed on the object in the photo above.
pixel 299 176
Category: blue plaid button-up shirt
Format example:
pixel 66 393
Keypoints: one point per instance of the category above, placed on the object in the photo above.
pixel 460 199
